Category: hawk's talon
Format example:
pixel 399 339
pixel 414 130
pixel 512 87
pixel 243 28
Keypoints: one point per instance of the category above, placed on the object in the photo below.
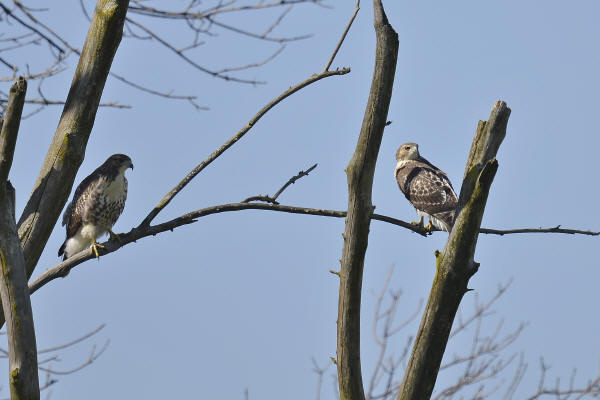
pixel 419 223
pixel 94 248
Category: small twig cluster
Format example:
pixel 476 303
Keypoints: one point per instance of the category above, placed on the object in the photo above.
pixel 198 22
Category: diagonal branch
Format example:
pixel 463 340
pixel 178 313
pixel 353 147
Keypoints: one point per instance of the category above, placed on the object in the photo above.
pixel 337 47
pixel 169 196
pixel 215 154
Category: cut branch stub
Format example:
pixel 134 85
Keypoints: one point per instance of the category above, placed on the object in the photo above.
pixel 455 265
pixel 10 127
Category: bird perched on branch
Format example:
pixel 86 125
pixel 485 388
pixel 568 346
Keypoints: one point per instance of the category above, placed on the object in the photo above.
pixel 426 187
pixel 97 204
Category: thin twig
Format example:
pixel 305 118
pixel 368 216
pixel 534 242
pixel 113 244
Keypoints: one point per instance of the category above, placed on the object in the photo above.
pixel 169 95
pixel 181 55
pixel 337 47
pixel 31 28
pixel 273 200
pixel 73 342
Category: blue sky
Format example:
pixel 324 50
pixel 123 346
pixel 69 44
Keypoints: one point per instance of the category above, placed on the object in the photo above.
pixel 244 300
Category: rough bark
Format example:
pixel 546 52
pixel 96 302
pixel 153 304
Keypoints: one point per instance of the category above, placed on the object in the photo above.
pixel 359 173
pixel 10 126
pixel 67 150
pixel 455 265
pixel 14 292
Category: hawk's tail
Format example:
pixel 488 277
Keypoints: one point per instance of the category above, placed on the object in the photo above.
pixel 61 251
pixel 444 220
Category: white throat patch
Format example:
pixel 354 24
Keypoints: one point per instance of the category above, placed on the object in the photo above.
pixel 399 165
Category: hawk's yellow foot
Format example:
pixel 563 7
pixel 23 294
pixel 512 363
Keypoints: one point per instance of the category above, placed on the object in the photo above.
pixel 94 248
pixel 419 224
pixel 429 227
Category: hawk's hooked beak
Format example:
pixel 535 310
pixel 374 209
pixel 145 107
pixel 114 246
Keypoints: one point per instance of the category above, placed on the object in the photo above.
pixel 131 165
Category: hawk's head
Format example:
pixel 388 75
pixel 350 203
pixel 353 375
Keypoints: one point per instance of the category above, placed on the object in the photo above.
pixel 408 151
pixel 118 162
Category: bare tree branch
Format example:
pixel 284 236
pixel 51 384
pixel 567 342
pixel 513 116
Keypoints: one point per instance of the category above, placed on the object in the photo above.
pixel 169 196
pixel 194 64
pixel 63 268
pixel 168 95
pixel 556 229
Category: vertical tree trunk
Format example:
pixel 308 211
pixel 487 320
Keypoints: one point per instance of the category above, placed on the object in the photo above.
pixel 22 350
pixel 455 265
pixel 360 172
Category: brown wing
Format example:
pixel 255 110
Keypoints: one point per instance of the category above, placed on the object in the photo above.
pixel 426 187
pixel 73 216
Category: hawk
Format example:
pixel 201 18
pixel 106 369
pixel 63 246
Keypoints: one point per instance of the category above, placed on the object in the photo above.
pixel 97 204
pixel 426 187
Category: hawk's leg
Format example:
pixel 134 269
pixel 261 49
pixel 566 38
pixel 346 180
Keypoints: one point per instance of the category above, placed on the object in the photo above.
pixel 94 248
pixel 113 235
pixel 419 224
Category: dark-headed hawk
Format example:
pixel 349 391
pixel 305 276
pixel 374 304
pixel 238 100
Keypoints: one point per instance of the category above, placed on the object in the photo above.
pixel 426 187
pixel 97 204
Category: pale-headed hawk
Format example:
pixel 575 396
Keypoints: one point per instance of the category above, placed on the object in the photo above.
pixel 97 204
pixel 426 187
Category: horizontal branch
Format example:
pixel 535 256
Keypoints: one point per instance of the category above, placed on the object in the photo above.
pixel 47 102
pixel 63 268
pixel 556 229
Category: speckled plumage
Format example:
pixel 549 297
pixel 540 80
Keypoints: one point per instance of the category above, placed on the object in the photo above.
pixel 425 186
pixel 97 203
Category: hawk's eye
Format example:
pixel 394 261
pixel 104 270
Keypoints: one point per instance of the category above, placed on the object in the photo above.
pixel 407 148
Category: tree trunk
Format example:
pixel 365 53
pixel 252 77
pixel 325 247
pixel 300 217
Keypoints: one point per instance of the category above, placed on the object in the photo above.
pixel 22 353
pixel 360 172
